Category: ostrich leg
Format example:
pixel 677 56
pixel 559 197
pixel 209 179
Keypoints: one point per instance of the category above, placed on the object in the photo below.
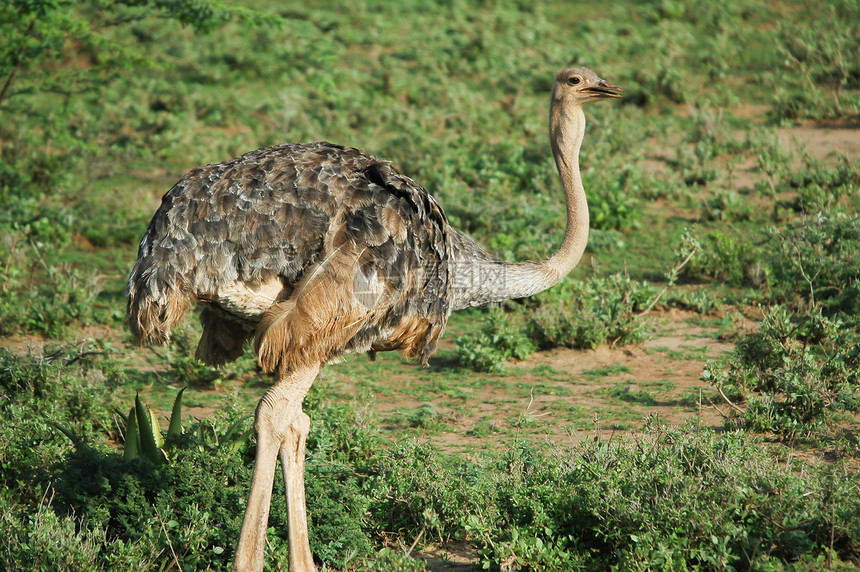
pixel 282 428
pixel 292 456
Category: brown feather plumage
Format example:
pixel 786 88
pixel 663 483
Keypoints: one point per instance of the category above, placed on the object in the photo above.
pixel 223 338
pixel 326 221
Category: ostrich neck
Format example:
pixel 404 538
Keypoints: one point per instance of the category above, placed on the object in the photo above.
pixel 480 278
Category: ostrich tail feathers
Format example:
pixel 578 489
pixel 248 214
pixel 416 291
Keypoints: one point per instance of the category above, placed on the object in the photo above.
pixel 151 318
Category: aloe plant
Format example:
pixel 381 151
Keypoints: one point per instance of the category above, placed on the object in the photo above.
pixel 132 437
pixel 143 437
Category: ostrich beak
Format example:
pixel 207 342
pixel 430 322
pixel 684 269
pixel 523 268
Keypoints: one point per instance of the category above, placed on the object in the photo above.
pixel 604 89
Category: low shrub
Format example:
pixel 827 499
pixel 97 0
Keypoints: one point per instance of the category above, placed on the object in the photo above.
pixel 816 261
pixel 589 313
pixel 499 339
pixel 700 300
pixel 63 298
pixel 68 493
pixel 729 257
pixel 797 374
pixel 683 498
pixel 821 187
pixel 614 202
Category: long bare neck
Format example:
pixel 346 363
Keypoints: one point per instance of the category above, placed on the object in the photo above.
pixel 567 129
pixel 480 278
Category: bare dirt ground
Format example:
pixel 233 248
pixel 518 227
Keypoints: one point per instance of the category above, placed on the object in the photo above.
pixel 822 141
pixel 564 395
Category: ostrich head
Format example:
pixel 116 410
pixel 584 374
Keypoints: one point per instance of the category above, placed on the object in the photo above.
pixel 575 86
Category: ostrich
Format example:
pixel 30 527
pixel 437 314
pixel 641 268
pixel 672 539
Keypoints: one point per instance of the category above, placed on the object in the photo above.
pixel 314 250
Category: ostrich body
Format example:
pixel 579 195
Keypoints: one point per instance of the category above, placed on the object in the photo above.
pixel 314 250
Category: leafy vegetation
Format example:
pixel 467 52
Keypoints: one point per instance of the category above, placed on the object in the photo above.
pixel 816 263
pixel 797 374
pixel 715 499
pixel 498 340
pixel 588 314
pixel 103 104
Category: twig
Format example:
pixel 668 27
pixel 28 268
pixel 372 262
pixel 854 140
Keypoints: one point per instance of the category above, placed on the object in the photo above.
pixel 414 542
pixel 720 411
pixel 11 76
pixel 699 412
pixel 805 277
pixel 726 399
pixel 674 272
pixel 170 544
pixel 39 254
pixel 83 355
pixel 832 536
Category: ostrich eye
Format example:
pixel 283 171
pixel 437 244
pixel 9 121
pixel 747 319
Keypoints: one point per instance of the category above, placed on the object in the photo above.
pixel 574 80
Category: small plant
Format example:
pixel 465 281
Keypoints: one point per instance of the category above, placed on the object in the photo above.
pixel 700 300
pixel 500 339
pixel 729 257
pixel 823 187
pixel 62 299
pixel 587 314
pixel 426 418
pixel 795 375
pixel 771 161
pixel 602 310
pixel 632 393
pixel 727 206
pixel 614 202
pixel 686 251
pixel 143 437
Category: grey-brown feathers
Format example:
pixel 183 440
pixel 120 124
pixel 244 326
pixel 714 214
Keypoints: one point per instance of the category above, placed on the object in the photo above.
pixel 223 338
pixel 316 248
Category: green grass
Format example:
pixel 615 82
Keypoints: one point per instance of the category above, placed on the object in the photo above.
pixel 107 105
pixel 608 371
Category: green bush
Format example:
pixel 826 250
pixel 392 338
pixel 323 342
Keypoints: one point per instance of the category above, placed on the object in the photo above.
pixel 700 300
pixel 797 374
pixel 28 181
pixel 61 300
pixel 823 188
pixel 499 339
pixel 614 192
pixel 589 313
pixel 816 261
pixel 730 257
pixel 44 398
pixel 727 206
pixel 685 498
pixel 130 512
pixel 45 540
